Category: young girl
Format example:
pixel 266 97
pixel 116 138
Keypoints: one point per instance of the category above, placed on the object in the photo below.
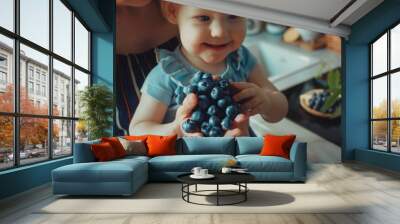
pixel 211 42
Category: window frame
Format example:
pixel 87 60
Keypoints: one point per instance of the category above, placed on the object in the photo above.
pixel 16 114
pixel 388 74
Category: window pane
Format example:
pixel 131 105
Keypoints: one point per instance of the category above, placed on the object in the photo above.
pixel 395 136
pixel 7 14
pixel 62 138
pixel 379 56
pixel 33 100
pixel 6 74
pixel 379 97
pixel 379 135
pixel 395 94
pixel 395 47
pixel 62 29
pixel 33 140
pixel 81 131
pixel 81 81
pixel 81 45
pixel 62 89
pixel 35 21
pixel 6 142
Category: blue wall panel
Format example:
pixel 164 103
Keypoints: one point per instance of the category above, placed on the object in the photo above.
pixel 356 85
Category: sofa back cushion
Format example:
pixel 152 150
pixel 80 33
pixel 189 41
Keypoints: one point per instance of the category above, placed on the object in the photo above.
pixel 83 152
pixel 249 145
pixel 206 145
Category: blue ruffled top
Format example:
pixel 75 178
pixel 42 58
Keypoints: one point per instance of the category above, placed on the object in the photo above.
pixel 173 70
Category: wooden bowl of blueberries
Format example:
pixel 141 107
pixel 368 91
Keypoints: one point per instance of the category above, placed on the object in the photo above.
pixel 313 102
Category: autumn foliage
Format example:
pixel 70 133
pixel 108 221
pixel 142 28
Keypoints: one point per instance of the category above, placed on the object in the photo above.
pixel 33 130
pixel 380 127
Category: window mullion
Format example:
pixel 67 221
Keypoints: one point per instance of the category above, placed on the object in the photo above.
pixel 16 69
pixel 50 81
pixel 73 83
pixel 389 106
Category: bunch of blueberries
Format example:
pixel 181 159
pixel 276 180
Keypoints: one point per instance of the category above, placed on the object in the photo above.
pixel 318 100
pixel 215 110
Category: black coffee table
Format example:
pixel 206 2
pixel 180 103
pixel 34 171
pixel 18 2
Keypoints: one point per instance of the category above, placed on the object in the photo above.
pixel 238 179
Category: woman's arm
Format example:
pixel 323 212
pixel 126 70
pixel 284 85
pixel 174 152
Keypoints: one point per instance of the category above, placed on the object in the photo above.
pixel 260 96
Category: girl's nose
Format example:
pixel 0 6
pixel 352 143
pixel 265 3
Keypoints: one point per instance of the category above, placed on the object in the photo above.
pixel 218 29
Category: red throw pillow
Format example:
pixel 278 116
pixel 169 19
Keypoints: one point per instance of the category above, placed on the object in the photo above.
pixel 277 145
pixel 161 145
pixel 103 151
pixel 116 145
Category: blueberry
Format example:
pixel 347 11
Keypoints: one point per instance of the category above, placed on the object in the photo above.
pixel 216 132
pixel 311 104
pixel 205 128
pixel 190 89
pixel 190 126
pixel 214 121
pixel 223 83
pixel 204 86
pixel 226 123
pixel 231 111
pixel 213 110
pixel 216 93
pixel 224 102
pixel 198 116
pixel 207 76
pixel 203 102
pixel 197 77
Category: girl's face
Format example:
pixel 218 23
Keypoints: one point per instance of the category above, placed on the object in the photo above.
pixel 210 35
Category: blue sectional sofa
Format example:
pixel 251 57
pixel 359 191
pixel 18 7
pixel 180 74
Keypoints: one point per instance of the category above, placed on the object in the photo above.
pixel 125 176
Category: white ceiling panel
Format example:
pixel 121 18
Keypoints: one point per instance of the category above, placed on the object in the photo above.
pixel 321 9
pixel 313 15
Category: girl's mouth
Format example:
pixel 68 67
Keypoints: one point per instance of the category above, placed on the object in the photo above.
pixel 216 46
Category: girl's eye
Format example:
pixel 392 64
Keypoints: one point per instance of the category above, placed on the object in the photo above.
pixel 233 17
pixel 203 18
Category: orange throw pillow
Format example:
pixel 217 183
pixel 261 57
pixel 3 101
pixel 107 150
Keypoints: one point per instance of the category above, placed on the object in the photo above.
pixel 277 145
pixel 103 151
pixel 136 137
pixel 116 145
pixel 161 145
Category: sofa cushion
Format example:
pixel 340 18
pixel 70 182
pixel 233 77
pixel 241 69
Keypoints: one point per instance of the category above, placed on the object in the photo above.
pixel 83 152
pixel 257 163
pixel 116 145
pixel 185 163
pixel 209 145
pixel 277 145
pixel 111 171
pixel 103 152
pixel 249 145
pixel 161 145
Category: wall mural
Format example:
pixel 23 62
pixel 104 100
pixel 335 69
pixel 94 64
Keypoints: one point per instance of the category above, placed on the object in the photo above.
pixel 195 72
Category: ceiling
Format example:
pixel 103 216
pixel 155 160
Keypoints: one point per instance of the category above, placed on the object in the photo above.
pixel 325 16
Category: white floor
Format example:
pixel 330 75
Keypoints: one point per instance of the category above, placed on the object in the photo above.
pixel 378 190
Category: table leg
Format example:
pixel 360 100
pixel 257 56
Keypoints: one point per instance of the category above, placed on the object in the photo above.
pixel 245 193
pixel 196 188
pixel 217 194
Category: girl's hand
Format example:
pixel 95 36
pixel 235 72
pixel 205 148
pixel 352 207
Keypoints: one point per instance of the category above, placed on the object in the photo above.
pixel 252 98
pixel 183 113
pixel 240 126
